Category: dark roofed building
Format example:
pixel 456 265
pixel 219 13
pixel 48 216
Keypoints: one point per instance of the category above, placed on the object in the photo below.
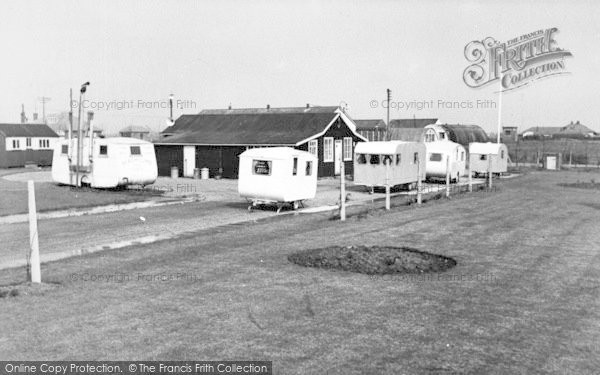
pixel 373 130
pixel 412 122
pixel 133 131
pixel 407 134
pixel 22 144
pixel 571 130
pixel 214 138
pixel 465 134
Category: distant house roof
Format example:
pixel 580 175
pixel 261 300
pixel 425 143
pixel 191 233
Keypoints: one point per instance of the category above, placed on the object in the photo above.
pixel 27 130
pixel 569 129
pixel 412 122
pixel 465 134
pixel 253 126
pixel 407 134
pixel 135 129
pixel 370 124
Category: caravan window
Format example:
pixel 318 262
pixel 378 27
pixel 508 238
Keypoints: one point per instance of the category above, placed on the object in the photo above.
pixel 374 160
pixel 462 156
pixel 361 159
pixel 398 159
pixel 309 168
pixel 416 158
pixel 64 149
pixel 295 170
pixel 387 159
pixel 435 157
pixel 103 150
pixel 135 150
pixel 502 154
pixel 261 167
pixel 483 157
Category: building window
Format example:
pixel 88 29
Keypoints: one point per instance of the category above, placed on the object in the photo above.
pixel 135 150
pixel 295 170
pixel 328 149
pixel 28 142
pixel 64 149
pixel 374 160
pixel 313 147
pixel 347 148
pixel 16 144
pixel 361 159
pixel 483 157
pixel 261 167
pixel 103 150
pixel 430 135
pixel 435 157
pixel 309 168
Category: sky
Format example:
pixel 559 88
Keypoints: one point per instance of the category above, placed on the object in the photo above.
pixel 210 54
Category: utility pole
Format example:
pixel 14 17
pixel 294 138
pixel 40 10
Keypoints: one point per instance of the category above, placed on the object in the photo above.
pixel 171 108
pixel 499 112
pixel 44 100
pixel 79 135
pixel 387 125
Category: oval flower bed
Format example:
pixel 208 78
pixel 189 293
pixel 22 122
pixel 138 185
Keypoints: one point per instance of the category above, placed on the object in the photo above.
pixel 373 260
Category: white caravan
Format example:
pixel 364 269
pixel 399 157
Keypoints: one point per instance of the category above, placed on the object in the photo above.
pixel 277 175
pixel 479 154
pixel 371 161
pixel 443 157
pixel 112 162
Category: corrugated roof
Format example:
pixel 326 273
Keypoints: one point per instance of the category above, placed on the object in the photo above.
pixel 465 134
pixel 276 126
pixel 27 130
pixel 369 124
pixel 407 134
pixel 412 122
pixel 135 129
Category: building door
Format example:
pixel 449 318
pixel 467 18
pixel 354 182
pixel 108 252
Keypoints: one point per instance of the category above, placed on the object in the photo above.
pixel 189 160
pixel 337 155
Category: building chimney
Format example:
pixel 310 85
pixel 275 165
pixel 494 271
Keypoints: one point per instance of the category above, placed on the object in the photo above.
pixel 307 105
pixel 577 122
pixel 23 117
pixel 268 107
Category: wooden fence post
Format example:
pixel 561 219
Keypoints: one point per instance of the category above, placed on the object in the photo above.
pixel 33 259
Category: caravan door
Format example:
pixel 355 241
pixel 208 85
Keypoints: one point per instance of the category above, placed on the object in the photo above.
pixel 337 156
pixel 189 160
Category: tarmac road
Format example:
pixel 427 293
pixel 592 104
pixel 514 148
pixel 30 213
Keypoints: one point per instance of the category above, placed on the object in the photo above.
pixel 68 236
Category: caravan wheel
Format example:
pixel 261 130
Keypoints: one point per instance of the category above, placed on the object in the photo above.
pixel 296 205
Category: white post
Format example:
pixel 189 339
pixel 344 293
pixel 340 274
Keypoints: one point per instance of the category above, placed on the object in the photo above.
pixel 33 261
pixel 419 187
pixel 470 176
pixel 490 170
pixel 342 189
pixel 387 184
pixel 447 176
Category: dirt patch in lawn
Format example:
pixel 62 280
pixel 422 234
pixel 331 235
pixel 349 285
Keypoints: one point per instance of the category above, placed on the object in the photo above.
pixel 373 260
pixel 25 289
pixel 583 185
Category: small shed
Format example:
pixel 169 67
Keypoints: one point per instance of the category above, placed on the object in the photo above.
pixel 372 158
pixel 479 154
pixel 445 157
pixel 277 175
pixel 552 161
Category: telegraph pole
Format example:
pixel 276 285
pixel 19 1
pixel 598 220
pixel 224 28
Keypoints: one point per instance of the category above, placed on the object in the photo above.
pixel 44 100
pixel 387 125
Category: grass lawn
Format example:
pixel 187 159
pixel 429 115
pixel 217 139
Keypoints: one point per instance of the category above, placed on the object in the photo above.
pixel 50 196
pixel 524 296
